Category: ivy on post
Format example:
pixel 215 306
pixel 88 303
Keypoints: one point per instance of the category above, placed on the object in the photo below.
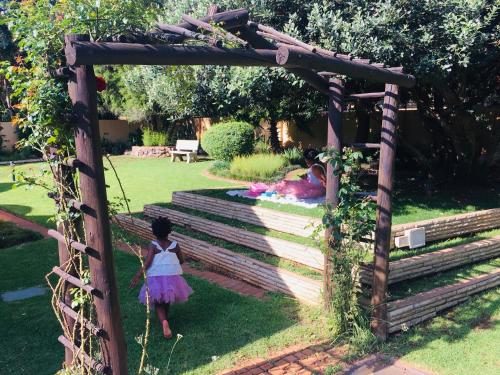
pixel 334 141
pixel 384 211
pixel 83 93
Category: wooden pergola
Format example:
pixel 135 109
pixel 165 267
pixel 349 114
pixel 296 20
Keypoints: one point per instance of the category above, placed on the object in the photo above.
pixel 258 45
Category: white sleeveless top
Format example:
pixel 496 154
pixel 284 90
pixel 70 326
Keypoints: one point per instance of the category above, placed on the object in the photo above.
pixel 311 177
pixel 165 263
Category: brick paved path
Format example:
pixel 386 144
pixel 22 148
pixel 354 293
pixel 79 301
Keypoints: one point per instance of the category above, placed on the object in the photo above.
pixel 23 223
pixel 321 358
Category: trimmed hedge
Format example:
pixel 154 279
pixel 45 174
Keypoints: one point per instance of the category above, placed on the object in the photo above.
pixel 226 140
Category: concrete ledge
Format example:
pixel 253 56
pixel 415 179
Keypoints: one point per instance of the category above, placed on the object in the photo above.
pixel 410 311
pixel 302 254
pixel 264 217
pixel 437 261
pixel 245 268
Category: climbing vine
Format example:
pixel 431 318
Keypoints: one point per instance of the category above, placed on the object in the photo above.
pixel 41 107
pixel 350 223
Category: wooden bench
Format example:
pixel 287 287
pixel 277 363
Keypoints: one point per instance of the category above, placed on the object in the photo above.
pixel 185 147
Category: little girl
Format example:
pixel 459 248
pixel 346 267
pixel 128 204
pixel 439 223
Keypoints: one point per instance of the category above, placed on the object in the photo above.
pixel 164 284
pixel 311 185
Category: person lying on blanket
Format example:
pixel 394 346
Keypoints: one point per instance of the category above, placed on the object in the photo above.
pixel 310 185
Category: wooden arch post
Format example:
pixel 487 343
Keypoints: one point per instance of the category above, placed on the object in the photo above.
pixel 334 140
pixel 83 93
pixel 384 211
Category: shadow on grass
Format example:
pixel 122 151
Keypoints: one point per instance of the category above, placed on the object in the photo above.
pixel 24 212
pixel 213 323
pixel 448 198
pixel 452 327
pixel 6 186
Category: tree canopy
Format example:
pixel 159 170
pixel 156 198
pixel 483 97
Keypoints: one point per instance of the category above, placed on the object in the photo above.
pixel 451 46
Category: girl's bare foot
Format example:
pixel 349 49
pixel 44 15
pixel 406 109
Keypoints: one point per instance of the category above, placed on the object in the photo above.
pixel 167 333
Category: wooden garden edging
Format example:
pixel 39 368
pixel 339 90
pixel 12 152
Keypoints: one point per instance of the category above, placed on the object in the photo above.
pixel 263 217
pixel 437 261
pixel 245 268
pixel 410 311
pixel 302 254
pixel 452 226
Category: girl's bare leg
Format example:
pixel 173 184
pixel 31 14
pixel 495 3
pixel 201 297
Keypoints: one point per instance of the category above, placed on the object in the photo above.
pixel 162 317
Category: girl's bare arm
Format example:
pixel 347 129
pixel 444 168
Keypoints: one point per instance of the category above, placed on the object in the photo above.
pixel 147 264
pixel 179 254
pixel 319 174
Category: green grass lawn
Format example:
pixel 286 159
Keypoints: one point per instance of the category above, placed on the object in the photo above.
pixel 145 181
pixel 463 341
pixel 11 235
pixel 409 205
pixel 219 327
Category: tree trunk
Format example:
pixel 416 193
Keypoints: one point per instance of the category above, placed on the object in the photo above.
pixel 273 135
pixel 363 122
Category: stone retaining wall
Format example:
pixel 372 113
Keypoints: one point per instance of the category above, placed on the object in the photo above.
pixel 452 226
pixel 410 311
pixel 151 151
pixel 245 268
pixel 264 217
pixel 302 254
pixel 430 263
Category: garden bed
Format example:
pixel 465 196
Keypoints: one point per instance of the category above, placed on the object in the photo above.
pixel 151 151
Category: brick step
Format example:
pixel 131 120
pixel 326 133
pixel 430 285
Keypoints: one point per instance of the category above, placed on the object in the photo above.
pixel 264 217
pixel 437 261
pixel 293 251
pixel 410 311
pixel 255 272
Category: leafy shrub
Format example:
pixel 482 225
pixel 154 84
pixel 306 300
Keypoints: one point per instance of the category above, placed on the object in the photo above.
pixel 135 138
pixel 259 167
pixel 154 138
pixel 225 141
pixel 113 148
pixel 262 147
pixel 293 156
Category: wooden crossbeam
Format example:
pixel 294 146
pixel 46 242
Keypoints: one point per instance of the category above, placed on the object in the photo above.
pixel 95 330
pixel 72 162
pixel 191 34
pixel 90 362
pixel 366 95
pixel 312 78
pixel 206 26
pixel 73 280
pixel 74 244
pixel 298 57
pixel 92 53
pixel 364 145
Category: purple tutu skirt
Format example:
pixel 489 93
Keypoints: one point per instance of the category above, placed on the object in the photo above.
pixel 165 289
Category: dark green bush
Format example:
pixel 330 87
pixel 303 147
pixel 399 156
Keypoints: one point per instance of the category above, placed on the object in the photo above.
pixel 226 140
